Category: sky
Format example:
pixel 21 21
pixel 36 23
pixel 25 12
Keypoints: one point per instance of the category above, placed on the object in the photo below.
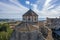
pixel 16 8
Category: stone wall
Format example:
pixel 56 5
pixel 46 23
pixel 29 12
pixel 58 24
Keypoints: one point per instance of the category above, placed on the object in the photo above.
pixel 53 23
pixel 33 35
pixel 46 32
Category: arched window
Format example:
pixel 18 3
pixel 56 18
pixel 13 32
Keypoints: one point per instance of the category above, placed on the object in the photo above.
pixel 35 18
pixel 29 18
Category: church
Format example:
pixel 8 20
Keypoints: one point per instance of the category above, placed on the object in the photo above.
pixel 29 29
pixel 30 16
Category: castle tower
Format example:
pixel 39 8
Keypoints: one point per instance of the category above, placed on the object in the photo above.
pixel 30 16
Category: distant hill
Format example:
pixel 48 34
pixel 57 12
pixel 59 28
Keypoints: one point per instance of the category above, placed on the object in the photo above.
pixel 6 20
pixel 19 19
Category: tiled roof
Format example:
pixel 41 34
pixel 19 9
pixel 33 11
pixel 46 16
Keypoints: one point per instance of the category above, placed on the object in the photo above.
pixel 30 13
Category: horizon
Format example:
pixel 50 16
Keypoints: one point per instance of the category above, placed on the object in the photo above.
pixel 16 8
pixel 20 19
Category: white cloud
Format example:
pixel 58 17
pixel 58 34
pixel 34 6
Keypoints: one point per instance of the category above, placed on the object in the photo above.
pixel 51 7
pixel 12 10
pixel 27 2
pixel 17 10
pixel 46 5
pixel 17 3
pixel 45 12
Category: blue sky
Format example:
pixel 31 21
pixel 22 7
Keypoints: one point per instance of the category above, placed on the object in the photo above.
pixel 16 8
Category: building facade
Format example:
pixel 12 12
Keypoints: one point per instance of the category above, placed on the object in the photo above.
pixel 53 23
pixel 30 16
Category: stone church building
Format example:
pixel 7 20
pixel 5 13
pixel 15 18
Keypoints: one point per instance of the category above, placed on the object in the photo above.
pixel 30 16
pixel 29 29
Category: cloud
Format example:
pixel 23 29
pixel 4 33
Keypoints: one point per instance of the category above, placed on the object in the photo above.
pixel 47 2
pixel 27 2
pixel 40 4
pixel 12 10
pixel 46 12
pixel 46 5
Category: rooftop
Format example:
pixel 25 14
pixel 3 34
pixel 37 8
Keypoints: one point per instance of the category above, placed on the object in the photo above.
pixel 30 13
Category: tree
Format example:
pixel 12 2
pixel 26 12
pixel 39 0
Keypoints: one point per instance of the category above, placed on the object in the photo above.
pixel 6 31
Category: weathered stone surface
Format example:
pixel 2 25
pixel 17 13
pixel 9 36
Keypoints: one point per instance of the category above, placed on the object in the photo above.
pixel 33 35
pixel 26 31
pixel 46 32
pixel 43 34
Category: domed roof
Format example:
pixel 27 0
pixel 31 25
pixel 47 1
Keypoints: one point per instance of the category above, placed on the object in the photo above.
pixel 30 13
pixel 26 27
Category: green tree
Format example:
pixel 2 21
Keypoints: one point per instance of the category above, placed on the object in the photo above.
pixel 5 35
